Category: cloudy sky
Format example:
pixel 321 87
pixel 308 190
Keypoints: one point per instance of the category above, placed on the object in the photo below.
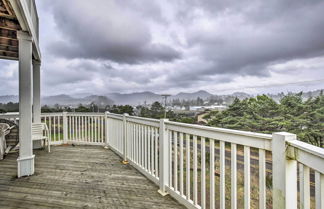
pixel 103 46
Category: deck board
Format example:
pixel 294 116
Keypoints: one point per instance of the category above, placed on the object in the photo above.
pixel 79 177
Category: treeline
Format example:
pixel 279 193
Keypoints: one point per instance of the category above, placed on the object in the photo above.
pixel 9 107
pixel 156 110
pixel 263 114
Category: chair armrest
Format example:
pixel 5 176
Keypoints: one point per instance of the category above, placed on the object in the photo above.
pixel 45 127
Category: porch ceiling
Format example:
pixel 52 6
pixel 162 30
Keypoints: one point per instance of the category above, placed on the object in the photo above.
pixel 9 26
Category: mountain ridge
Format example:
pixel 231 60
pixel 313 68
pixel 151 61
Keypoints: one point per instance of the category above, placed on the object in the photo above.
pixel 138 98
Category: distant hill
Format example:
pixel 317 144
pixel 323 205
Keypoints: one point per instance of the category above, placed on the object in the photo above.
pixel 139 98
pixel 69 100
pixel 98 100
pixel 190 96
pixel 241 95
pixel 9 98
pixel 136 98
pixel 150 97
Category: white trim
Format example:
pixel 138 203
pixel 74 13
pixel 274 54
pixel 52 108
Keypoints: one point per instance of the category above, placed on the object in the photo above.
pixel 26 166
pixel 256 140
pixel 24 17
pixel 26 158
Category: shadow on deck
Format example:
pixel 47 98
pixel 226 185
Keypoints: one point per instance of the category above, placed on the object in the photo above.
pixel 78 177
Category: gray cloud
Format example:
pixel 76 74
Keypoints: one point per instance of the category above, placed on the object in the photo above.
pixel 102 46
pixel 109 30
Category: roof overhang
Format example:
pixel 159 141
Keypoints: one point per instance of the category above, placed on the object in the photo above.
pixel 18 15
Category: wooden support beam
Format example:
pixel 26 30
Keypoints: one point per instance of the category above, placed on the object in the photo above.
pixel 9 55
pixel 9 23
pixel 7 33
pixel 9 48
pixel 3 8
pixel 8 42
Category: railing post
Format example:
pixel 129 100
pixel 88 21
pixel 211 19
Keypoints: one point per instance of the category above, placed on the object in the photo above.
pixel 284 173
pixel 65 128
pixel 125 138
pixel 106 130
pixel 164 148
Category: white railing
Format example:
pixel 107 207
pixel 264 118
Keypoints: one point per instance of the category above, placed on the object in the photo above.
pixel 196 153
pixel 204 167
pixel 76 128
pixel 309 160
pixel 68 128
pixel 136 140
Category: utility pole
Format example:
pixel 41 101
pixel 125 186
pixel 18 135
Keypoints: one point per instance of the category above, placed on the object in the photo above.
pixel 165 97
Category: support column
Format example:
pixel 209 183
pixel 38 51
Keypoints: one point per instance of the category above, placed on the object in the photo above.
pixel 26 157
pixel 36 99
pixel 164 149
pixel 65 128
pixel 284 173
pixel 106 130
pixel 125 138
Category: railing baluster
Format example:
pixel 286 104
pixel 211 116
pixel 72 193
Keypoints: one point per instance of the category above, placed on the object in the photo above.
pixel 50 127
pixel 212 173
pixel 170 158
pixel 136 144
pixel 222 174
pixel 99 129
pixel 92 130
pixel 114 132
pixel 181 163
pixel 78 128
pixel 203 173
pixel 82 128
pixel 59 128
pixel 304 186
pixel 233 176
pixel 89 126
pixel 247 178
pixel 319 190
pixel 195 175
pixel 156 156
pixel 148 151
pixel 262 179
pixel 70 128
pixel 152 149
pixel 73 128
pixel 118 136
pixel 54 128
pixel 143 147
pixel 96 129
pixel 102 130
pixel 175 163
pixel 188 166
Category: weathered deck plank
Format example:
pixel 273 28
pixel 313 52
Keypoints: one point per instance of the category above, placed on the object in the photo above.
pixel 78 177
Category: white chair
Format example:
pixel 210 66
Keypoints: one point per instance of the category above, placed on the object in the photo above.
pixel 4 130
pixel 40 132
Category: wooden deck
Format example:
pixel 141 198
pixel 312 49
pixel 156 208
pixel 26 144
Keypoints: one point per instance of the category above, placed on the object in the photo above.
pixel 78 177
